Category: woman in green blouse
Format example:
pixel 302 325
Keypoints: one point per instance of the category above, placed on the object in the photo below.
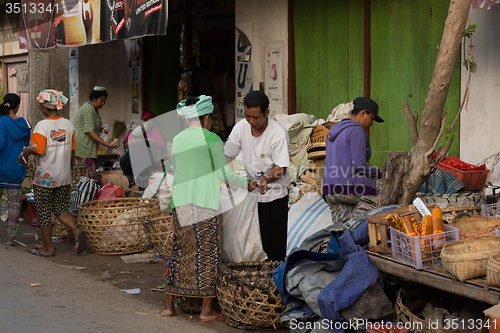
pixel 87 124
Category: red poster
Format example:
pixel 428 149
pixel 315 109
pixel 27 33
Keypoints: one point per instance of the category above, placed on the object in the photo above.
pixel 36 24
pixel 48 23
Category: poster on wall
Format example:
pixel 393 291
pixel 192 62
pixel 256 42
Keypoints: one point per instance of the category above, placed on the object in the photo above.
pixel 73 73
pixel 244 71
pixel 131 19
pixel 273 79
pixel 48 23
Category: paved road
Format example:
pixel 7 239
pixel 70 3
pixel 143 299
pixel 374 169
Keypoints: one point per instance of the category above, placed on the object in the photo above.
pixel 70 301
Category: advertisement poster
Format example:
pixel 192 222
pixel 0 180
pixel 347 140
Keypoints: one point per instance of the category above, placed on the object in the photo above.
pixel 124 19
pixel 244 70
pixel 274 79
pixel 49 23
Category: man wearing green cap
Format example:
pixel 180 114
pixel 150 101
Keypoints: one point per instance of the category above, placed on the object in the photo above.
pixel 264 144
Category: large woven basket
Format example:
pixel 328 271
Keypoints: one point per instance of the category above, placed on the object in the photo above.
pixel 493 271
pixel 248 296
pixel 320 172
pixel 476 226
pixel 160 230
pixel 115 226
pixel 467 258
pixel 412 298
pixel 189 304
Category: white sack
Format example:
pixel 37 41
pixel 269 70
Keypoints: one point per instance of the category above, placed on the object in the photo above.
pixel 165 192
pixel 240 218
pixel 309 215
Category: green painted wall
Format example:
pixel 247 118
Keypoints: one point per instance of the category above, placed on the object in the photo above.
pixel 328 54
pixel 404 36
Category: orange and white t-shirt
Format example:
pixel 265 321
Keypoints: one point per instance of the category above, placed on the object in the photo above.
pixel 53 139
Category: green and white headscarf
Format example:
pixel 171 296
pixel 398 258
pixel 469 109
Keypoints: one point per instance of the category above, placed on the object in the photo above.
pixel 202 107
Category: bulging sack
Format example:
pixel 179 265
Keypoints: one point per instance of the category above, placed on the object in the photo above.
pixel 164 191
pixel 241 239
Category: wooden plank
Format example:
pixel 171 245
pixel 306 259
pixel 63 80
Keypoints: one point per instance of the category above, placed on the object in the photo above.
pixel 435 281
pixel 383 235
pixel 372 234
pixel 380 249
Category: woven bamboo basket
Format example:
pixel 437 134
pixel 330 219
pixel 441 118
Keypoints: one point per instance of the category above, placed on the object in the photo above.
pixel 248 296
pixel 471 227
pixel 412 298
pixel 160 230
pixel 320 171
pixel 493 271
pixel 450 214
pixel 467 258
pixel 189 304
pixel 115 226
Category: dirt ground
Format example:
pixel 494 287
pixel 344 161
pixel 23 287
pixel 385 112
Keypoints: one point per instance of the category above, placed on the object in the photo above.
pixel 109 269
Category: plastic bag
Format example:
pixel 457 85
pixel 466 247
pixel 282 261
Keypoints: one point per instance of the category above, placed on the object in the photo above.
pixel 241 231
pixel 165 191
pixel 86 190
pixel 110 191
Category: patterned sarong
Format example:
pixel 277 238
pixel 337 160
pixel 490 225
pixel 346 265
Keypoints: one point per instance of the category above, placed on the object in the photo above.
pixel 196 254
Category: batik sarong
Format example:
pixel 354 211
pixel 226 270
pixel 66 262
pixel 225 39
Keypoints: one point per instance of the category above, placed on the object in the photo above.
pixel 196 253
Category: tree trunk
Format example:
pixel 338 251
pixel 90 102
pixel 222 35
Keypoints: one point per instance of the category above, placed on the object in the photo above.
pixel 411 174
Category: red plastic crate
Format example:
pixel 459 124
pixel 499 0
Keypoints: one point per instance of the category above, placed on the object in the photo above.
pixel 473 180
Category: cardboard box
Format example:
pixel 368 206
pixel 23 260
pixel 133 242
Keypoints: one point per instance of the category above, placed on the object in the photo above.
pixel 320 132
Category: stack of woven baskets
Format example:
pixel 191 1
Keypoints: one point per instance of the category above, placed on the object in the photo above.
pixel 478 251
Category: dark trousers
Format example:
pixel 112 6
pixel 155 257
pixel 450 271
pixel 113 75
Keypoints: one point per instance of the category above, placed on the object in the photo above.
pixel 273 220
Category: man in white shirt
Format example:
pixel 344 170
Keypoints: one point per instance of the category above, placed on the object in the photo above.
pixel 264 144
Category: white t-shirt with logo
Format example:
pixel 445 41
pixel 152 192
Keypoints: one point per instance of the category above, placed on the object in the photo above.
pixel 53 139
pixel 262 154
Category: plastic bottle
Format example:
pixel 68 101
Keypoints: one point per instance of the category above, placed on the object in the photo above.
pixel 437 227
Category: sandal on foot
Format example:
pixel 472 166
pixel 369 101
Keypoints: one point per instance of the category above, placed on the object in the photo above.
pixel 164 314
pixel 80 242
pixel 40 254
pixel 11 243
pixel 216 318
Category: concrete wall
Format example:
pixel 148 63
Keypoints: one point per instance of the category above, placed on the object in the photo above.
pixel 265 22
pixel 480 124
pixel 106 65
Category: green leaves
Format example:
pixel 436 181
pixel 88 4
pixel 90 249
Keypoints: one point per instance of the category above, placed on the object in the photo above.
pixel 473 65
pixel 470 30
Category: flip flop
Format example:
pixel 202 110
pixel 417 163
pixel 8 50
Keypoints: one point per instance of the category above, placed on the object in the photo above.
pixel 218 318
pixel 81 242
pixel 163 314
pixel 40 254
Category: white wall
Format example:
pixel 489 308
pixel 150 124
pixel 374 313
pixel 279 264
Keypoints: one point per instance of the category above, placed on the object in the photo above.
pixel 480 124
pixel 269 25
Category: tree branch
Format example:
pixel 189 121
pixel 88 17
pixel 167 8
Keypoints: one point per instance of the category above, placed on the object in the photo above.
pixel 441 130
pixel 412 123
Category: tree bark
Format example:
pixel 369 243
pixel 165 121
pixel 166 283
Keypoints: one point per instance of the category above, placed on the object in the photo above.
pixel 420 159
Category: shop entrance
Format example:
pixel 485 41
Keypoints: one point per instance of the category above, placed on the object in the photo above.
pixel 196 57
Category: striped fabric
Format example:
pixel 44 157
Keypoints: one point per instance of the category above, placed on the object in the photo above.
pixel 87 119
pixel 306 217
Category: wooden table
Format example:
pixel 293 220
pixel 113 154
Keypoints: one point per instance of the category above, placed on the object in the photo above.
pixel 437 277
